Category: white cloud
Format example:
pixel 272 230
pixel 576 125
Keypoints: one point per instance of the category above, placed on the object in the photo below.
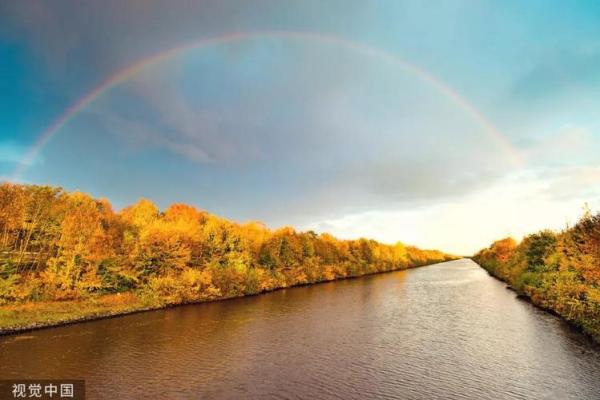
pixel 519 205
pixel 568 143
pixel 573 182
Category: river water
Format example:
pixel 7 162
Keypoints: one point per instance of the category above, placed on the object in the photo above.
pixel 446 331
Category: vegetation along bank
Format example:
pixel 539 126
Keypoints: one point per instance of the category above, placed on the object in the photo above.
pixel 67 257
pixel 558 271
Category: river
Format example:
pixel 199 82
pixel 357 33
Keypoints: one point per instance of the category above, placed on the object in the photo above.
pixel 446 331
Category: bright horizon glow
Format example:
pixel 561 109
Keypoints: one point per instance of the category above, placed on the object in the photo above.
pixel 440 226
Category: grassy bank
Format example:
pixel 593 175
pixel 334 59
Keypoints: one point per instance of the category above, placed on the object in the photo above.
pixel 32 315
pixel 557 271
pixel 67 256
pixel 20 317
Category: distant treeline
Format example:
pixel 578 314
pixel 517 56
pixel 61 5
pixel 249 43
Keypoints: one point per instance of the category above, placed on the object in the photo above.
pixel 557 271
pixel 56 245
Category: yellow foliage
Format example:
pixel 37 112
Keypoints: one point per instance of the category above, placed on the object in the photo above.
pixel 558 271
pixel 69 245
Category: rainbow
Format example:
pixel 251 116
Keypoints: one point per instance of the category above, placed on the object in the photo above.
pixel 133 69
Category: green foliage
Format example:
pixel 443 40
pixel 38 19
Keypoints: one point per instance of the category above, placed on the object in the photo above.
pixel 8 287
pixel 538 247
pixel 115 278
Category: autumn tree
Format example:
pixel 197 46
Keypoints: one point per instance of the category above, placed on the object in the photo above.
pixel 58 245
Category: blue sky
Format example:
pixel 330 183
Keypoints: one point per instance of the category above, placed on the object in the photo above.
pixel 311 133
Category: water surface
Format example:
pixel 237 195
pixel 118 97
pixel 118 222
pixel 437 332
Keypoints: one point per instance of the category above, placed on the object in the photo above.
pixel 447 331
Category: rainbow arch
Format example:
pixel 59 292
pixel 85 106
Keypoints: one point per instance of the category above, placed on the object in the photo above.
pixel 133 69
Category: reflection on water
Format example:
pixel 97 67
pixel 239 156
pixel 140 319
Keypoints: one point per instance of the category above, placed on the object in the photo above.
pixel 437 332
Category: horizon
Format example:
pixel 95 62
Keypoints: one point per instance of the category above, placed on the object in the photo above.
pixel 329 118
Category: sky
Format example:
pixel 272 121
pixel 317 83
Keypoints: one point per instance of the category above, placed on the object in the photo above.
pixel 443 124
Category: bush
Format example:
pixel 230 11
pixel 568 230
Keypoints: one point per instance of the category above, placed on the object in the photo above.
pixel 559 271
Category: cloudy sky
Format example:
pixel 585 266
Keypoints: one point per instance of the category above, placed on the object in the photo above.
pixel 445 124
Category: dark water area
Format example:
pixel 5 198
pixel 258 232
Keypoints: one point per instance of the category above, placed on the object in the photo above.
pixel 447 331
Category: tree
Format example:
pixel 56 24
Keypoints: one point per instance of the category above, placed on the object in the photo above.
pixel 538 247
pixel 161 250
pixel 83 243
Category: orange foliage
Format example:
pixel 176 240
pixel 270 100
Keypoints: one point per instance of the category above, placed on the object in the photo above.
pixel 58 245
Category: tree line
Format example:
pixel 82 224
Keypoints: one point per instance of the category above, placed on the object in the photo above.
pixel 57 245
pixel 559 271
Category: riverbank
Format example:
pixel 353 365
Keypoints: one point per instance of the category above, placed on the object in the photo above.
pixel 594 337
pixel 23 317
pixel 396 324
pixel 79 259
pixel 556 272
